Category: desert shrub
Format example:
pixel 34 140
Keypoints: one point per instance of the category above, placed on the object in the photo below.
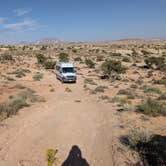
pixel 150 89
pixel 7 57
pixel 14 104
pixel 78 59
pixel 100 89
pixel 49 64
pixel 144 52
pixel 19 73
pixel 115 54
pixel 41 58
pixel 51 158
pixel 123 101
pixel 63 57
pixel 123 92
pixel 89 63
pixel 134 53
pixel 99 58
pixel 43 48
pixel 136 136
pixel 74 50
pixel 37 76
pixel 111 65
pixel 152 107
pixel 134 86
pixel 67 89
pixel 162 96
pixel 161 81
pixel 89 81
pixel 8 78
pixel 151 148
pixel 126 59
pixel 130 94
pixel 159 62
pixel 104 97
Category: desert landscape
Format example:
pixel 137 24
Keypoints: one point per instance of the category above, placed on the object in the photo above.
pixel 114 115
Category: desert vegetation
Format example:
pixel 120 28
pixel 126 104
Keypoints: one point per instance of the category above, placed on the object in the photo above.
pixel 127 82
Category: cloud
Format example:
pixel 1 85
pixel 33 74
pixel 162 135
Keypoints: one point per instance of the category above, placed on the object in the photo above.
pixel 27 24
pixel 2 20
pixel 21 12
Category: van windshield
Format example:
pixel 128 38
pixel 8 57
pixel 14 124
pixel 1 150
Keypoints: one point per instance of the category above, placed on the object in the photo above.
pixel 68 70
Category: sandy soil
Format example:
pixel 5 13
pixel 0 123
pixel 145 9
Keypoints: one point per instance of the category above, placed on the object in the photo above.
pixel 60 123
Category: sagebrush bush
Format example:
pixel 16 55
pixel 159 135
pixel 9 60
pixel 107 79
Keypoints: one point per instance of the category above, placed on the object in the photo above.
pixel 152 107
pixel 49 64
pixel 137 136
pixel 14 104
pixel 111 65
pixel 100 89
pixel 37 76
pixel 115 54
pixel 41 58
pixel 150 89
pixel 20 73
pixel 89 63
pixel 78 59
pixel 159 62
pixel 7 57
pixel 63 57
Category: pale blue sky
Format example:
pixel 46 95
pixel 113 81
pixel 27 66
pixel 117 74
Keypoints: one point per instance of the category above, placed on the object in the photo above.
pixel 81 20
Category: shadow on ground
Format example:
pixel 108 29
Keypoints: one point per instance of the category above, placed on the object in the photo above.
pixel 75 158
pixel 152 153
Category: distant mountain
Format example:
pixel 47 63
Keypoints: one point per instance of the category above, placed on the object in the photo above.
pixel 48 41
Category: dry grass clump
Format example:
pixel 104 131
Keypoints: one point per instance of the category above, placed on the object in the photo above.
pixel 100 89
pixel 14 104
pixel 89 63
pixel 151 148
pixel 136 136
pixel 37 76
pixel 89 81
pixel 152 107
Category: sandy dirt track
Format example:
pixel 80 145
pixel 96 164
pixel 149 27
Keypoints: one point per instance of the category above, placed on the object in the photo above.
pixel 60 123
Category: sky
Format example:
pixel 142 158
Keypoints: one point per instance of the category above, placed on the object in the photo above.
pixel 81 20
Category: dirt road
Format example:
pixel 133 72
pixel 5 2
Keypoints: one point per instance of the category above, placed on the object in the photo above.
pixel 59 123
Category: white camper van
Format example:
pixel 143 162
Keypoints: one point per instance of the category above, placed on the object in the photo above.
pixel 65 72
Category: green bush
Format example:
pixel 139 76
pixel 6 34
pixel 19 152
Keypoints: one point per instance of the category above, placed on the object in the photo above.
pixel 150 89
pixel 159 62
pixel 100 58
pixel 161 81
pixel 89 63
pixel 136 136
pixel 41 58
pixel 152 107
pixel 115 54
pixel 37 76
pixel 7 57
pixel 14 104
pixel 20 73
pixel 126 59
pixel 49 64
pixel 111 65
pixel 78 59
pixel 100 89
pixel 63 57
pixel 144 52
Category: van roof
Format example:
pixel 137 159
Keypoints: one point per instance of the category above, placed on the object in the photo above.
pixel 64 64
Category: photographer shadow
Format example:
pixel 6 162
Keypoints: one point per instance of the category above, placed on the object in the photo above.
pixel 75 158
